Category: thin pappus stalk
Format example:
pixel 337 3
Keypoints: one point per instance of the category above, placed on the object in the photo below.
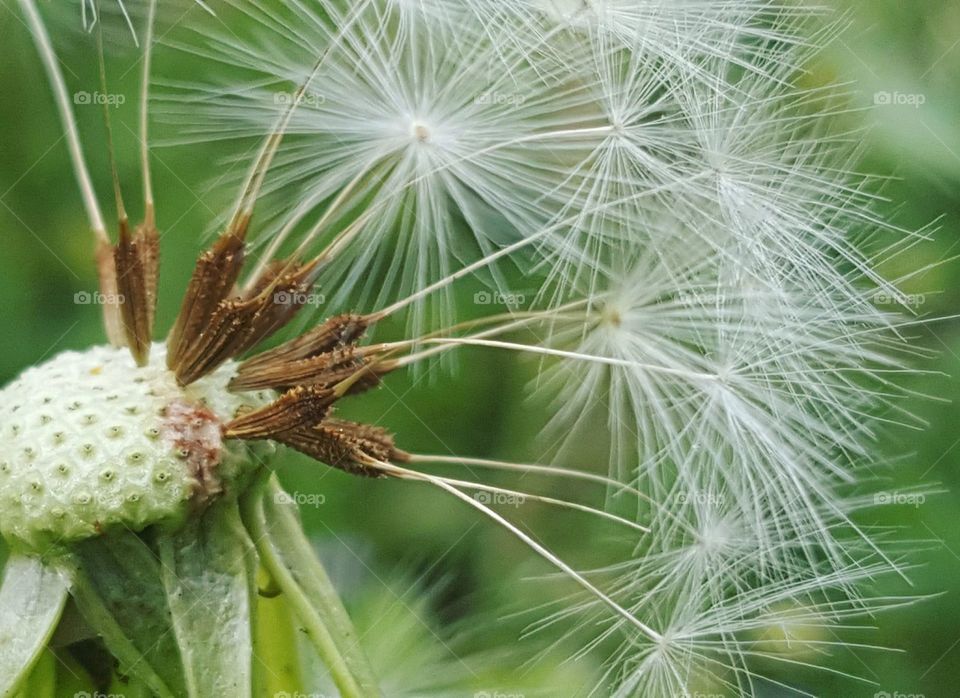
pixel 617 487
pixel 105 271
pixel 57 84
pixel 122 218
pixel 284 233
pixel 480 341
pixel 499 324
pixel 442 483
pixel 149 205
pixel 250 191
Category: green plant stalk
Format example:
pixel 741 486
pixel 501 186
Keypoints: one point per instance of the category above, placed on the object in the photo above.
pixel 278 669
pixel 290 560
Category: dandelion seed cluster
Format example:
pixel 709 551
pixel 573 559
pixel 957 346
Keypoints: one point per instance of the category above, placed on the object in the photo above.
pixel 705 253
pixel 696 223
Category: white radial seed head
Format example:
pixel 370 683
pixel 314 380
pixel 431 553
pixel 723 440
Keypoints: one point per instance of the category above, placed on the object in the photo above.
pixel 93 443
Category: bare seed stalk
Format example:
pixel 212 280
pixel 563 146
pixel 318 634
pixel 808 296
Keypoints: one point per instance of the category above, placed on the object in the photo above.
pixel 55 74
pixel 103 253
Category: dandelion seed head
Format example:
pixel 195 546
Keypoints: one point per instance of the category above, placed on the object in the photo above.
pixel 692 217
pixel 97 445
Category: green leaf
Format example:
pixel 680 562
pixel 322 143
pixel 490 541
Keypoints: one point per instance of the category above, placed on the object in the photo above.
pixel 209 571
pixel 32 598
pixel 42 682
pixel 117 585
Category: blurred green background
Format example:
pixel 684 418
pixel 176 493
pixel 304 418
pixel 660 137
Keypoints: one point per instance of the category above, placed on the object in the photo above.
pixel 374 530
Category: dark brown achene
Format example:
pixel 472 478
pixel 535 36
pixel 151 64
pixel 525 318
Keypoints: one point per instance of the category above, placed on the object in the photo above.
pixel 218 322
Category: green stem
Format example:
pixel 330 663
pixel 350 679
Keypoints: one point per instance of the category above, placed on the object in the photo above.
pixel 289 558
pixel 278 654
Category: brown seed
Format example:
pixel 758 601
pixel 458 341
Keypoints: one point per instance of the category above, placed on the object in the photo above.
pixel 298 408
pixel 345 445
pixel 213 279
pixel 136 259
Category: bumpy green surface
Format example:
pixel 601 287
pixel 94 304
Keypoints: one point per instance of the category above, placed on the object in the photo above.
pixel 92 442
